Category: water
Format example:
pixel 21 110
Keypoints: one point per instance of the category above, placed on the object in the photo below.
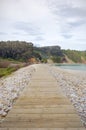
pixel 73 66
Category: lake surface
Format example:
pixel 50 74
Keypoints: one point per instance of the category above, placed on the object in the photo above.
pixel 73 66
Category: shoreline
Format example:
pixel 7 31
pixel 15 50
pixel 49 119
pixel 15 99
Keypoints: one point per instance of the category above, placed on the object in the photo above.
pixel 73 85
pixel 82 67
pixel 71 82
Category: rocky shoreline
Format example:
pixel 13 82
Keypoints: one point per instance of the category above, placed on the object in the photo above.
pixel 73 85
pixel 11 87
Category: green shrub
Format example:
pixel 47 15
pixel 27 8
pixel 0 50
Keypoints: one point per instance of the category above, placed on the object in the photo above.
pixel 6 71
pixel 44 60
pixel 56 59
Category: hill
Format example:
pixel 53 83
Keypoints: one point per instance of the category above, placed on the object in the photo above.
pixel 26 52
pixel 56 54
pixel 49 53
pixel 75 56
pixel 16 50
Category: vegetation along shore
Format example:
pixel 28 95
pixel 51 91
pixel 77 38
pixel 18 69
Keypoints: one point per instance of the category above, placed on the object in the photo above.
pixel 17 54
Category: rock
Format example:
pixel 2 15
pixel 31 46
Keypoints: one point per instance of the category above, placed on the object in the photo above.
pixel 73 85
pixel 12 86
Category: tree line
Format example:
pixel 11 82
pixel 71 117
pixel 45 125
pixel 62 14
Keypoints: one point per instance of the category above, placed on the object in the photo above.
pixel 23 51
pixel 16 50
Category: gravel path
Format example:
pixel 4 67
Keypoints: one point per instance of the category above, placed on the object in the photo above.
pixel 12 86
pixel 73 85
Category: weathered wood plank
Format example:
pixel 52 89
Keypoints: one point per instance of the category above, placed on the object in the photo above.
pixel 42 106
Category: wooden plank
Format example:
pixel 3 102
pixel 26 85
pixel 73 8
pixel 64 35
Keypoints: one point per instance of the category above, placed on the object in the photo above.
pixel 42 106
pixel 41 124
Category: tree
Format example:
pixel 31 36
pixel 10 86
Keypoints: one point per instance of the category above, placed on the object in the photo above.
pixel 56 59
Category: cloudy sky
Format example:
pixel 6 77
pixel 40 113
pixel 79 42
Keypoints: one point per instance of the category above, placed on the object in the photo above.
pixel 44 22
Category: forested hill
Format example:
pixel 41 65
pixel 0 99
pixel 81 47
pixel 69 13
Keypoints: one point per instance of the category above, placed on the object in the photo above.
pixel 56 54
pixel 16 50
pixel 24 51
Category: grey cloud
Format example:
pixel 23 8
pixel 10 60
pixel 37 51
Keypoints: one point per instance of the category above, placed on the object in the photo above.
pixel 27 28
pixel 82 40
pixel 59 20
pixel 73 12
pixel 19 33
pixel 67 36
pixel 67 8
pixel 16 33
pixel 39 38
pixel 3 33
pixel 75 24
pixel 65 11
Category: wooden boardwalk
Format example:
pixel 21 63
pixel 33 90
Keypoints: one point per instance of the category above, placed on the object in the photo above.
pixel 42 106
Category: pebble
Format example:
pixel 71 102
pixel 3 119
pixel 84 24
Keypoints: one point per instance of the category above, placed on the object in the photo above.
pixel 11 87
pixel 73 85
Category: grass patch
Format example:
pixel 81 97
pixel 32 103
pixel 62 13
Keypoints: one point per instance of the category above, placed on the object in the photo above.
pixel 6 71
pixel 7 66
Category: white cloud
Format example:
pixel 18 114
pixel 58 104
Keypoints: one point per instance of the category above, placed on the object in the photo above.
pixel 47 22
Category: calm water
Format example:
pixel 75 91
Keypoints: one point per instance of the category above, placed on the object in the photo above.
pixel 73 66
